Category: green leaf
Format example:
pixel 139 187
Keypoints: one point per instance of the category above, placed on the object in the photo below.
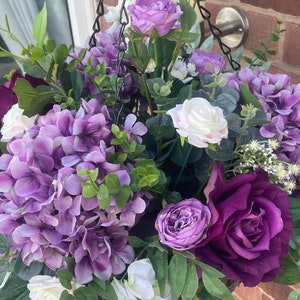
pixel 26 272
pixel 136 242
pixel 213 285
pixel 123 195
pixel 85 293
pixel 51 44
pixel 40 26
pixel 188 18
pixel 160 265
pixel 3 244
pixel 294 295
pixel 32 100
pixel 104 198
pixel 177 273
pixel 60 53
pixel 191 283
pixel 13 287
pixel 103 289
pixel 112 183
pixel 248 97
pixel 24 296
pixel 65 278
pixel 4 266
pixel 65 295
pixel 37 53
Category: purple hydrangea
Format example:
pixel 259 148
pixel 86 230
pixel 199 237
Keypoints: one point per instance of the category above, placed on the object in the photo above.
pixel 42 210
pixel 280 101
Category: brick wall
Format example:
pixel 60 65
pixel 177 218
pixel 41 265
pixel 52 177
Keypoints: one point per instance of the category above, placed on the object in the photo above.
pixel 262 16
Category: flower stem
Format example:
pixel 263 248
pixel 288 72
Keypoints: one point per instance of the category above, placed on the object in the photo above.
pixel 183 166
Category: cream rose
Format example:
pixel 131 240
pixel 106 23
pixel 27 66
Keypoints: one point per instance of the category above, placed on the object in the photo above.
pixel 15 123
pixel 200 122
pixel 44 287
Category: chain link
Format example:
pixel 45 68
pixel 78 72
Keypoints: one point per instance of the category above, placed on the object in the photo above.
pixel 96 25
pixel 216 32
pixel 120 67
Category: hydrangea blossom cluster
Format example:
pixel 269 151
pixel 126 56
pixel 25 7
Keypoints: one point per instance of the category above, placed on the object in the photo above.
pixel 42 210
pixel 281 101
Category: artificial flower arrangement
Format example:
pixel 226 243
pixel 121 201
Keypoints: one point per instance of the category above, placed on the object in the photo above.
pixel 162 174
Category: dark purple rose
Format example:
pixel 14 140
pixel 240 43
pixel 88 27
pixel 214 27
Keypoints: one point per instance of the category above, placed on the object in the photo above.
pixel 183 225
pixel 206 62
pixel 147 15
pixel 251 226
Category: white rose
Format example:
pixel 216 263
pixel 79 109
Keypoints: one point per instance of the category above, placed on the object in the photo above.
pixel 200 122
pixel 44 287
pixel 15 123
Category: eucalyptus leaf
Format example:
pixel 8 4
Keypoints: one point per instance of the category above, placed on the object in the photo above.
pixel 3 269
pixel 26 272
pixel 103 289
pixel 65 278
pixel 85 293
pixel 13 287
pixel 3 244
pixel 65 295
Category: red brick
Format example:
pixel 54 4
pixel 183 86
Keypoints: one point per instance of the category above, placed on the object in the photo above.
pixel 291 44
pixel 277 291
pixel 294 73
pixel 289 7
pixel 247 293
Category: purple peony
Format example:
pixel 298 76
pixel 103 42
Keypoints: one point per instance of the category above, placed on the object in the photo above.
pixel 43 213
pixel 147 15
pixel 251 226
pixel 183 225
pixel 206 62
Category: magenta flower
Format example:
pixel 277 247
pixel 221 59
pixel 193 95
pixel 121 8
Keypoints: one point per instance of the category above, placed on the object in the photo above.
pixel 147 15
pixel 183 225
pixel 251 226
pixel 207 62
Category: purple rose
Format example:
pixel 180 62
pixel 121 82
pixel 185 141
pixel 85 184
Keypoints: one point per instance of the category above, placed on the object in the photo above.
pixel 251 226
pixel 183 225
pixel 207 61
pixel 147 15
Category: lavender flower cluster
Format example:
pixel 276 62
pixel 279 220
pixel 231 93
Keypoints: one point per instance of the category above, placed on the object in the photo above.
pixel 281 102
pixel 105 51
pixel 42 210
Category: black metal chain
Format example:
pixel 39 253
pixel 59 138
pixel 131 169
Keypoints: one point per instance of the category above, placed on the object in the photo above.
pixel 122 46
pixel 216 32
pixel 96 25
